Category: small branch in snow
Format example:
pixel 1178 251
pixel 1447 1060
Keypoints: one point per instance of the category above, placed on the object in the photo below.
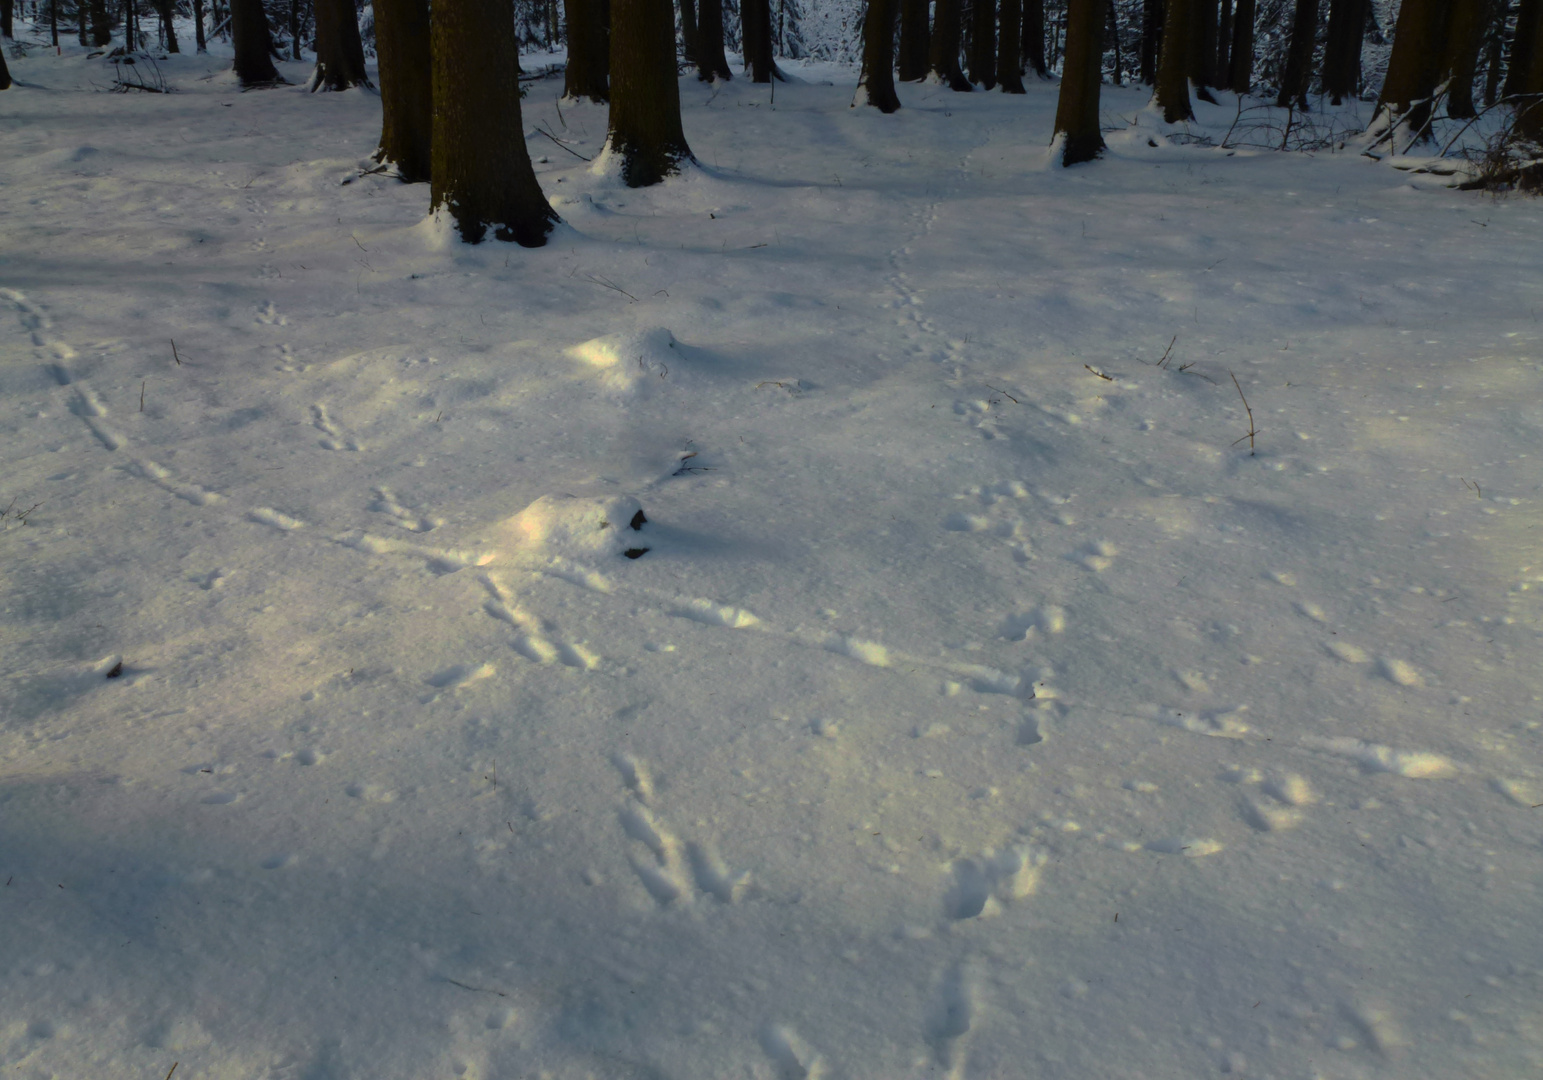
pixel 559 142
pixel 1100 374
pixel 1473 486
pixel 607 283
pixel 174 355
pixel 1004 393
pixel 1252 431
pixel 474 989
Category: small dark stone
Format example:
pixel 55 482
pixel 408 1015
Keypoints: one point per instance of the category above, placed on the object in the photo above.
pixel 635 553
pixel 117 669
pixel 638 521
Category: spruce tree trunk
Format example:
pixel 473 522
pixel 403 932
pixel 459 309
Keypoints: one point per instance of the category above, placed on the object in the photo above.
pixel 253 44
pixel 876 86
pixel 1494 58
pixel 1172 91
pixel 5 73
pixel 1151 39
pixel 1034 37
pixel 1414 69
pixel 1465 34
pixel 168 26
pixel 1223 65
pixel 1520 60
pixel 101 25
pixel 983 44
pixel 1529 110
pixel 755 32
pixel 1299 56
pixel 1076 113
pixel 943 55
pixel 199 41
pixel 711 63
pixel 339 50
pixel 1009 46
pixel 6 29
pixel 645 129
pixel 80 22
pixel 482 171
pixel 406 88
pixel 1202 47
pixel 589 50
pixel 913 40
pixel 1240 80
pixel 688 31
pixel 1342 50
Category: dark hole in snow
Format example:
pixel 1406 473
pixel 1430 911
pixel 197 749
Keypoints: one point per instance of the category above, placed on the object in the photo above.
pixel 635 553
pixel 637 522
pixel 117 669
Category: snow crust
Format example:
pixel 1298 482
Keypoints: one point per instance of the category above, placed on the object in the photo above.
pixel 985 703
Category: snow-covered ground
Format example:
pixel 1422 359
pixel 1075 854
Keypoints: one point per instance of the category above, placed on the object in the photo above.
pixel 981 707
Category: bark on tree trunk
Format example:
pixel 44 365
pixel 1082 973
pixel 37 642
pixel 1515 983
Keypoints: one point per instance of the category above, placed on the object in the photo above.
pixel 339 50
pixel 1223 65
pixel 589 50
pixel 756 35
pixel 876 86
pixel 711 64
pixel 1520 60
pixel 6 29
pixel 1299 56
pixel 1240 80
pixel 645 129
pixel 1529 110
pixel 101 25
pixel 1202 47
pixel 983 44
pixel 1009 45
pixel 406 88
pixel 5 73
pixel 1172 91
pixel 1342 51
pixel 1494 52
pixel 168 27
pixel 482 172
pixel 253 44
pixel 913 40
pixel 1034 37
pixel 1151 39
pixel 688 31
pixel 943 56
pixel 1415 66
pixel 198 26
pixel 1465 33
pixel 1076 113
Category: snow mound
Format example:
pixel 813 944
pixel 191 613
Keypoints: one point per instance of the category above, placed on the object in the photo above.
pixel 579 527
pixel 632 363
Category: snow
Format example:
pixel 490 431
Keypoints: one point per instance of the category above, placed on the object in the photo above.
pixel 971 712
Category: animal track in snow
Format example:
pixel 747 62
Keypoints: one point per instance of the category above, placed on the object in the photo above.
pixel 794 1058
pixel 264 515
pixel 981 886
pixel 336 438
pixel 162 478
pixel 268 315
pixel 387 503
pixel 655 852
pixel 533 641
pixel 38 326
pixel 1375 758
pixel 1220 723
pixel 953 1018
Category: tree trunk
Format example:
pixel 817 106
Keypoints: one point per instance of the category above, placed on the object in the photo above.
pixel 1009 45
pixel 589 50
pixel 983 44
pixel 339 50
pixel 645 129
pixel 80 22
pixel 5 73
pixel 482 171
pixel 1240 80
pixel 1299 56
pixel 1172 92
pixel 5 22
pixel 1465 33
pixel 1520 60
pixel 876 86
pixel 1415 66
pixel 1223 65
pixel 913 40
pixel 688 31
pixel 167 15
pixel 1529 110
pixel 1151 39
pixel 253 44
pixel 943 56
pixel 53 23
pixel 1202 47
pixel 756 36
pixel 406 88
pixel 711 64
pixel 1342 51
pixel 1494 52
pixel 101 25
pixel 1034 37
pixel 1076 112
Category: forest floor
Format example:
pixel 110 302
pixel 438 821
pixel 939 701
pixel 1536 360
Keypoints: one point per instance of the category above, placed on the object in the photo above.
pixel 987 703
